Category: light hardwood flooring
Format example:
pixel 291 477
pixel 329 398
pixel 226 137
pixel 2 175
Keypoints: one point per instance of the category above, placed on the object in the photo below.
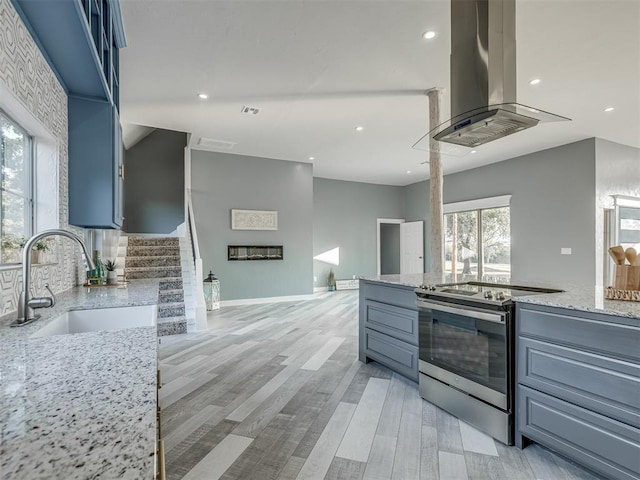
pixel 275 391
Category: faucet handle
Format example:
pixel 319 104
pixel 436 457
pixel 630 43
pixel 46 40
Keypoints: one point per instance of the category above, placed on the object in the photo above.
pixel 53 297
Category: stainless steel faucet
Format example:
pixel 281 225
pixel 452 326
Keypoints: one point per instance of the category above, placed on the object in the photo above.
pixel 26 305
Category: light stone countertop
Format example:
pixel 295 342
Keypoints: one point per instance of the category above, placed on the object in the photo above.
pixel 83 405
pixel 573 297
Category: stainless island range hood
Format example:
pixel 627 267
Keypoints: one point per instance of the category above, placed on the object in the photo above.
pixel 483 77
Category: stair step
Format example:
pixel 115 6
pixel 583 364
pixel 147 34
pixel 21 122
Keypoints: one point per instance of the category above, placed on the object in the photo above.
pixel 170 291
pixel 152 251
pixel 166 310
pixel 171 283
pixel 152 272
pixel 160 261
pixel 165 298
pixel 153 241
pixel 172 326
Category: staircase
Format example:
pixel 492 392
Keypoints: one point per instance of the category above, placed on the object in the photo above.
pixel 158 257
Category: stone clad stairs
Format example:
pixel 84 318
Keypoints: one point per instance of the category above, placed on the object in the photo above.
pixel 159 257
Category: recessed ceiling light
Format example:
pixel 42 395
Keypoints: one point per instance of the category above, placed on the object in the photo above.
pixel 474 151
pixel 312 158
pixel 359 128
pixel 408 171
pixel 203 96
pixel 428 35
pixel 535 81
pixel 609 109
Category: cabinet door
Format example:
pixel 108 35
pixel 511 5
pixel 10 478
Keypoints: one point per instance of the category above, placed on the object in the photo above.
pixel 398 356
pixel 93 164
pixel 593 440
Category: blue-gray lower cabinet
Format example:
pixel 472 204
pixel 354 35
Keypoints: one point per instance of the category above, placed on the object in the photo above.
pixel 389 326
pixel 96 170
pixel 578 376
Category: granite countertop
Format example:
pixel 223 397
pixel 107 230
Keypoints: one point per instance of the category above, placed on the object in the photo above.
pixel 82 405
pixel 574 297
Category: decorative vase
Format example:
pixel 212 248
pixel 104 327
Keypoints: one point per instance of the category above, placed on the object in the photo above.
pixel 35 257
pixel 112 277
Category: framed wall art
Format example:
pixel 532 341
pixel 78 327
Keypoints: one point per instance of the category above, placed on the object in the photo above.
pixel 254 219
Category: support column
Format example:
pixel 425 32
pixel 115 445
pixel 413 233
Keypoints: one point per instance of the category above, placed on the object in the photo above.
pixel 436 236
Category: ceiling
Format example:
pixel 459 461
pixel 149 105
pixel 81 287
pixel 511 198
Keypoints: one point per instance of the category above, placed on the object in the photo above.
pixel 316 69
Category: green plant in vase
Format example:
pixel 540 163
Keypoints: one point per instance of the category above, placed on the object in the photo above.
pixel 110 266
pixel 41 246
pixel 331 280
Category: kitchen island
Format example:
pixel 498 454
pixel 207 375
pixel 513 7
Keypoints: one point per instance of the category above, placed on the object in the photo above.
pixel 577 365
pixel 81 405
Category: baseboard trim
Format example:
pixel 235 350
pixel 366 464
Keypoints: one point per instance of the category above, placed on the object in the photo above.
pixel 253 301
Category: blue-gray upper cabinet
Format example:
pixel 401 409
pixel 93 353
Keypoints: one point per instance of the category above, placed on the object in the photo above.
pixel 80 40
pixel 96 170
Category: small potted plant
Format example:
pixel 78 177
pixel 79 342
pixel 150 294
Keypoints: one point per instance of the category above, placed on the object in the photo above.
pixel 110 266
pixel 41 246
pixel 331 280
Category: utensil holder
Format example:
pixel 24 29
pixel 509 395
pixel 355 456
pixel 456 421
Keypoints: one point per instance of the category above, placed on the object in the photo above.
pixel 627 277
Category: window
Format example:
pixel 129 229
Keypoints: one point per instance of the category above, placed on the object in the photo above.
pixel 16 211
pixel 478 237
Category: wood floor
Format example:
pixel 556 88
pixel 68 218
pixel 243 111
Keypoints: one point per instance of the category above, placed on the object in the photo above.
pixel 275 391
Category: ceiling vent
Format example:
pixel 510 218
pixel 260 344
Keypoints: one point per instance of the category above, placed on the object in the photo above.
pixel 215 144
pixel 250 110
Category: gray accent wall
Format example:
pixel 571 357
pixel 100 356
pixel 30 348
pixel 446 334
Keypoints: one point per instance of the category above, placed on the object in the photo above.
pixel 154 183
pixel 221 182
pixel 345 215
pixel 552 206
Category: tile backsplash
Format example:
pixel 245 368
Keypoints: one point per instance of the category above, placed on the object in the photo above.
pixel 26 73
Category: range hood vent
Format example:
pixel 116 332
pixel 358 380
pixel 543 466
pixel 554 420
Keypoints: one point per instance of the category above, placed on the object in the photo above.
pixel 483 79
pixel 484 127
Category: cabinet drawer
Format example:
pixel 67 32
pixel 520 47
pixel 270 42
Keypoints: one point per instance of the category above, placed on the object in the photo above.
pixel 398 356
pixel 602 384
pixel 581 331
pixel 398 322
pixel 391 294
pixel 593 440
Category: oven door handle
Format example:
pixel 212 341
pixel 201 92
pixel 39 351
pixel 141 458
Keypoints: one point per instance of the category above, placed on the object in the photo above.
pixel 489 317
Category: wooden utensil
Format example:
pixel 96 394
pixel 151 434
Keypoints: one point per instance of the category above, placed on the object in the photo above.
pixel 618 254
pixel 631 254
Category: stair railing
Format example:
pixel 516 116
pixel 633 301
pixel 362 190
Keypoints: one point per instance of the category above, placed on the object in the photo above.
pixel 201 309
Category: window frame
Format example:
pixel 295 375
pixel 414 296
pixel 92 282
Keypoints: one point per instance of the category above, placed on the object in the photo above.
pixel 30 169
pixel 478 205
pixel 46 156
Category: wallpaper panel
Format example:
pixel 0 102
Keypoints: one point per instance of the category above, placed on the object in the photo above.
pixel 27 74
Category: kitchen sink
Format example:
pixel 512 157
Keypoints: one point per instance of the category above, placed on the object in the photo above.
pixel 99 319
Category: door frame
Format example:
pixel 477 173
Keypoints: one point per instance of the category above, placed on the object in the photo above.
pixel 380 221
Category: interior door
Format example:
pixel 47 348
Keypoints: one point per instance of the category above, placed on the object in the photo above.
pixel 412 247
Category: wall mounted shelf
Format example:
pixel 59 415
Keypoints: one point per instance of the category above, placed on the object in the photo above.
pixel 254 252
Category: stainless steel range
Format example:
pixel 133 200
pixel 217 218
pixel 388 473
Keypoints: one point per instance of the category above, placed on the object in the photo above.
pixel 466 352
